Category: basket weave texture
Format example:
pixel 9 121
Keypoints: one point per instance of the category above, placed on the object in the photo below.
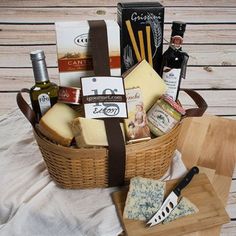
pixel 77 168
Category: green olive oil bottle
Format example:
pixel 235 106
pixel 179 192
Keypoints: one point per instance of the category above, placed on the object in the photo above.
pixel 43 94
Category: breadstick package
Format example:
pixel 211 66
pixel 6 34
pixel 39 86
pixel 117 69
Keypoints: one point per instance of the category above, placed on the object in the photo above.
pixel 141 25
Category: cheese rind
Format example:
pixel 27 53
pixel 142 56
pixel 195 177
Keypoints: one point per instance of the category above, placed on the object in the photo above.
pixel 90 132
pixel 144 198
pixel 144 76
pixel 55 124
pixel 184 208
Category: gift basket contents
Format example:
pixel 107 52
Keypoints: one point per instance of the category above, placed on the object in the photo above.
pixel 114 113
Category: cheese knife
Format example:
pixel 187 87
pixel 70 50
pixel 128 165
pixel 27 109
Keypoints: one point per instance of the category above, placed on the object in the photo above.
pixel 172 200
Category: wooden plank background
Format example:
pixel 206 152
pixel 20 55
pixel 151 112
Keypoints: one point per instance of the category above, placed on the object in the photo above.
pixel 210 40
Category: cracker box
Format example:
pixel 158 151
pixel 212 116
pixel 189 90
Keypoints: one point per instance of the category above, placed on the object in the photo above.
pixel 74 51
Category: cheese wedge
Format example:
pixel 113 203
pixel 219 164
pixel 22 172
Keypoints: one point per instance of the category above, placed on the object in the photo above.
pixel 90 132
pixel 184 208
pixel 144 76
pixel 55 124
pixel 145 196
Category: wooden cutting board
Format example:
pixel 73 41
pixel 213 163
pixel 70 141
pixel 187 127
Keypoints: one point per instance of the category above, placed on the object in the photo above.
pixel 199 191
pixel 209 142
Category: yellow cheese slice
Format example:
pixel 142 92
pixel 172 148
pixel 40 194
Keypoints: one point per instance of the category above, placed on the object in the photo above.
pixel 55 124
pixel 144 76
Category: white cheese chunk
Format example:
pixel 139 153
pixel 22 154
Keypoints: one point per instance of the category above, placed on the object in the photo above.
pixel 144 198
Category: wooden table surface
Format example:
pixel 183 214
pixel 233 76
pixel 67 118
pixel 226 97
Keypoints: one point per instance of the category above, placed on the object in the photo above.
pixel 210 40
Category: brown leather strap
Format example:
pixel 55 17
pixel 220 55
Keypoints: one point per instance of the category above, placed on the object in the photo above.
pixel 200 102
pixel 100 52
pixel 25 108
pixel 116 148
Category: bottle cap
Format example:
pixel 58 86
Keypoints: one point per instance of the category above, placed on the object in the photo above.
pixel 178 26
pixel 39 66
pixel 37 55
pixel 174 104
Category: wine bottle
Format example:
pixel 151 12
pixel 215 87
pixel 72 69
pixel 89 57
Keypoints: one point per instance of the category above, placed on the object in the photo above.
pixel 44 93
pixel 174 61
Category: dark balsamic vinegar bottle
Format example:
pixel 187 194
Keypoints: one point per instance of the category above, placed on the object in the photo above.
pixel 174 61
pixel 44 93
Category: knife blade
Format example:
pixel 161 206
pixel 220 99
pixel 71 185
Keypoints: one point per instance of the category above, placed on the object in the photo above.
pixel 172 200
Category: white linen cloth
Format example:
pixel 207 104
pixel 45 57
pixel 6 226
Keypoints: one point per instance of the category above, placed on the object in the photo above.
pixel 32 205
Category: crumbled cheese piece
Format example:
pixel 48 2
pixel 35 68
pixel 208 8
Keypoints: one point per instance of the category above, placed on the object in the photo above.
pixel 184 208
pixel 144 198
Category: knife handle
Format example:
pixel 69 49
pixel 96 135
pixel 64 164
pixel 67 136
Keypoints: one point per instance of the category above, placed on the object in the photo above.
pixel 186 180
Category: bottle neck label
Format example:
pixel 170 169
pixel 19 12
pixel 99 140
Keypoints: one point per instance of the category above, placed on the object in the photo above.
pixel 176 41
pixel 44 103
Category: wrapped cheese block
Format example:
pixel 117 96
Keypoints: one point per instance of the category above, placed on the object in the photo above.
pixel 90 132
pixel 151 84
pixel 55 124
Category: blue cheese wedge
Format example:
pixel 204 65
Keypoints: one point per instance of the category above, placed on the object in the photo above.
pixel 184 208
pixel 144 198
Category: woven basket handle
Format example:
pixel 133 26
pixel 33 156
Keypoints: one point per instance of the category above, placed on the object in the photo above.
pixel 197 98
pixel 25 108
pixel 199 101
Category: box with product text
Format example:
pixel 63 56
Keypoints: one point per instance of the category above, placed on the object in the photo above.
pixel 141 30
pixel 74 51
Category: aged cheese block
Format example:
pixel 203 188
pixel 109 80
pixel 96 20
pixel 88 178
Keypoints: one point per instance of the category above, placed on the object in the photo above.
pixel 90 132
pixel 144 198
pixel 55 124
pixel 144 76
pixel 184 208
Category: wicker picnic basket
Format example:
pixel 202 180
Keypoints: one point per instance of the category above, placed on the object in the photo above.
pixel 88 167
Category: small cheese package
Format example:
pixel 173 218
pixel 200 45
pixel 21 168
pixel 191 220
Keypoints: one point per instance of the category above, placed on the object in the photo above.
pixel 74 51
pixel 136 125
